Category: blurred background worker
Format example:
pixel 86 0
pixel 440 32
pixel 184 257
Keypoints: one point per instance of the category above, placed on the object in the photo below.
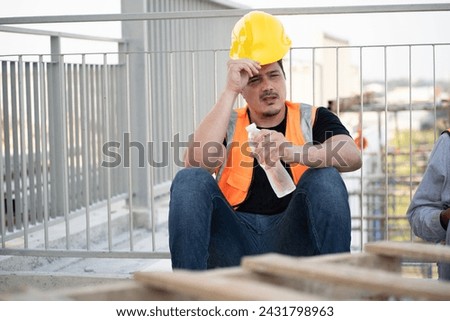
pixel 222 205
pixel 429 211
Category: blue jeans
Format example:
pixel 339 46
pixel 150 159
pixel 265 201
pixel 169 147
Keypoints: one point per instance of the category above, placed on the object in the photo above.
pixel 205 231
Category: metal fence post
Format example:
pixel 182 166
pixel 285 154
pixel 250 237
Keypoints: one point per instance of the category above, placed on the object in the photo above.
pixel 57 144
pixel 134 32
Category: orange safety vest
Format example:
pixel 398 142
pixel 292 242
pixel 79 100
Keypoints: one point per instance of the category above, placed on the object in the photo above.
pixel 235 175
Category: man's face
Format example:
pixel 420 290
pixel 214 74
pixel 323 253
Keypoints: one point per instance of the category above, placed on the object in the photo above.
pixel 265 93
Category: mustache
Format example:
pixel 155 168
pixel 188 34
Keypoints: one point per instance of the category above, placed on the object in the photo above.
pixel 269 93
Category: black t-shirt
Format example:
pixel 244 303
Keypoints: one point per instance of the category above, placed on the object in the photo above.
pixel 261 198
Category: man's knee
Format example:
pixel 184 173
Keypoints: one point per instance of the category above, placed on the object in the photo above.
pixel 192 176
pixel 191 188
pixel 326 177
pixel 325 185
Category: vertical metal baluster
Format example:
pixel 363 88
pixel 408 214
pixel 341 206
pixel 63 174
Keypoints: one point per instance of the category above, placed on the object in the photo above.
pixel 361 93
pixel 44 133
pixel 130 169
pixel 172 105
pixel 194 92
pixel 216 85
pixel 434 91
pixel 106 140
pixel 91 130
pixel 7 145
pixel 38 146
pixel 85 152
pixel 15 175
pixel 29 146
pixel 2 192
pixel 150 137
pixel 410 119
pixel 338 106
pixel 291 81
pixel 23 153
pixel 77 146
pixel 116 125
pixel 70 139
pixel 314 75
pixel 386 182
pixel 63 104
pixel 100 133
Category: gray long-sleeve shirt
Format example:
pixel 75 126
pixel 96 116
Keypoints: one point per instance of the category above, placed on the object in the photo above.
pixel 432 197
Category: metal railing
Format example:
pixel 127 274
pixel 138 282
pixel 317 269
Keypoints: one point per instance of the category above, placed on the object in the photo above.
pixel 70 158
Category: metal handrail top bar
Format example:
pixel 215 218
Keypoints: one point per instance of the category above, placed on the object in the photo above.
pixel 401 8
pixel 420 44
pixel 38 32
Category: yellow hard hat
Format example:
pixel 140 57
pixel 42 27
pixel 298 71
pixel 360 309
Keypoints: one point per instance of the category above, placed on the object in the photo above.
pixel 259 36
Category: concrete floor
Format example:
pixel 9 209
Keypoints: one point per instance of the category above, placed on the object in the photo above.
pixel 24 273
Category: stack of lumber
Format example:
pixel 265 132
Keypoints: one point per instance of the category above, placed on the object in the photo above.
pixel 375 274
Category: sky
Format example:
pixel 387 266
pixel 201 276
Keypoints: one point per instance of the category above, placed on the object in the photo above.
pixel 357 29
pixel 392 28
pixel 382 28
pixel 375 29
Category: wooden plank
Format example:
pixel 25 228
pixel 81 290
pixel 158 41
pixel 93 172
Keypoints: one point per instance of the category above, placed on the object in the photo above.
pixel 304 285
pixel 373 281
pixel 424 252
pixel 123 291
pixel 129 290
pixel 204 287
pixel 386 263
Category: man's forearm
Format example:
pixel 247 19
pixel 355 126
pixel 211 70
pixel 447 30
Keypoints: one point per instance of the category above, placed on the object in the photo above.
pixel 338 152
pixel 206 146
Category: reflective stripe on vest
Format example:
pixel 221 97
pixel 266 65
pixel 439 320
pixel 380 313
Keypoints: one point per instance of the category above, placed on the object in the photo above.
pixel 235 175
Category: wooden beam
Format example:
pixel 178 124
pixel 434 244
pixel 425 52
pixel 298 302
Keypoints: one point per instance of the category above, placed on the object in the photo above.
pixel 424 252
pixel 353 277
pixel 386 263
pixel 204 287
